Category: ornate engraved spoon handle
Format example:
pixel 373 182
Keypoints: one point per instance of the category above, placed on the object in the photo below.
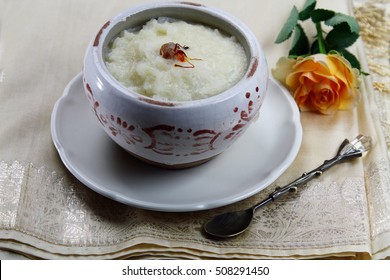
pixel 347 151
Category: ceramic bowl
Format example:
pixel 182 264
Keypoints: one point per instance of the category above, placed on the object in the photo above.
pixel 174 134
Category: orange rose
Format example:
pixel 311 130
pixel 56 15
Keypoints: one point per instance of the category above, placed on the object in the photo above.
pixel 325 83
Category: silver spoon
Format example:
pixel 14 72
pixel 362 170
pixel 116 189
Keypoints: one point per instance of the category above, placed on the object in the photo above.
pixel 234 223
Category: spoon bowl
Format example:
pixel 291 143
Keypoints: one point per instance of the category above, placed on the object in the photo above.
pixel 229 224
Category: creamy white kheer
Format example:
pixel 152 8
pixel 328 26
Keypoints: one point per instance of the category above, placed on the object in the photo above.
pixel 218 61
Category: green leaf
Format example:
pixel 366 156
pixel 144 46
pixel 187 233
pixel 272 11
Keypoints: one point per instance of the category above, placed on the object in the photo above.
pixel 351 58
pixel 288 27
pixel 342 18
pixel 307 9
pixel 300 44
pixel 341 37
pixel 319 15
pixel 314 47
pixel 296 56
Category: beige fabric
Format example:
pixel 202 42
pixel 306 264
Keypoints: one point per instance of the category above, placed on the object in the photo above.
pixel 46 213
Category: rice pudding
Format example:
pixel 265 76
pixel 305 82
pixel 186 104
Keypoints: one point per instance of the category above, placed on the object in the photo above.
pixel 173 60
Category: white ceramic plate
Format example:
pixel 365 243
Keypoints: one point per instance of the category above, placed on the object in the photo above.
pixel 257 159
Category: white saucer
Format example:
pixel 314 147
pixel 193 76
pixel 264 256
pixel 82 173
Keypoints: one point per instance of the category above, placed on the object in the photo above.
pixel 256 160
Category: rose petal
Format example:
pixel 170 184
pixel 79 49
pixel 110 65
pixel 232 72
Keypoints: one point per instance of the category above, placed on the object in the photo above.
pixel 283 68
pixel 319 82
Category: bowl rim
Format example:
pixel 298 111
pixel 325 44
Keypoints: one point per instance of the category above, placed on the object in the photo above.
pixel 255 54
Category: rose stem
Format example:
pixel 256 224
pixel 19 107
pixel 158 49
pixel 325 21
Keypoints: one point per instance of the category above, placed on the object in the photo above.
pixel 321 41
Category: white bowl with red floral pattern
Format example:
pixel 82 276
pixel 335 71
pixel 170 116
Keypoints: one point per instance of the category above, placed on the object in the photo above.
pixel 174 134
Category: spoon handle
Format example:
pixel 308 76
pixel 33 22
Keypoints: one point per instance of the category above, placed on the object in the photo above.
pixel 347 151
